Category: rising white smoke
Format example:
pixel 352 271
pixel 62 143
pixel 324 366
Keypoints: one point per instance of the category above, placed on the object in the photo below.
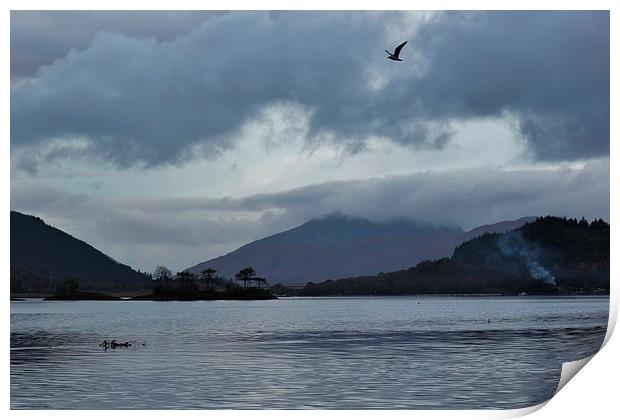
pixel 513 245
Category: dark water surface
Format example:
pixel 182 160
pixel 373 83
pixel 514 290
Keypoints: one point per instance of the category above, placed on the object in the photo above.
pixel 353 353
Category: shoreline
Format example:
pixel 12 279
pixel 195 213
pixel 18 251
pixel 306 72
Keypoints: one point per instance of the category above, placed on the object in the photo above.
pixel 23 298
pixel 464 295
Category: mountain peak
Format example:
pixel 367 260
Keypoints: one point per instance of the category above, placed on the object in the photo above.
pixel 338 245
pixel 338 216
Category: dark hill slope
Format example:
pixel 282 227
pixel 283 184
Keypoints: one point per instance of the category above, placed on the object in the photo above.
pixel 37 248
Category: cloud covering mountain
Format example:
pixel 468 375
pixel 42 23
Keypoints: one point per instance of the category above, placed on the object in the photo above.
pixel 337 246
pixel 189 229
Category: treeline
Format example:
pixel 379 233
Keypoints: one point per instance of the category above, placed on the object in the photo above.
pixel 550 255
pixel 182 286
pixel 189 285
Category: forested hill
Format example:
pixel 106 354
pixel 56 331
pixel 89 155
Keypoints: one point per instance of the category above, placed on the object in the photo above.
pixel 549 255
pixel 40 251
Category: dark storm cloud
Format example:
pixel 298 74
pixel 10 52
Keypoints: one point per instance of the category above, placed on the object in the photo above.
pixel 550 70
pixel 41 37
pixel 143 101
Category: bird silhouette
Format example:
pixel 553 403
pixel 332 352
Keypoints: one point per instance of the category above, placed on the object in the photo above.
pixel 396 52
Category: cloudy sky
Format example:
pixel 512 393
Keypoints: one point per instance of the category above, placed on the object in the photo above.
pixel 175 137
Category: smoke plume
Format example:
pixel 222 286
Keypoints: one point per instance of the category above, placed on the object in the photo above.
pixel 513 245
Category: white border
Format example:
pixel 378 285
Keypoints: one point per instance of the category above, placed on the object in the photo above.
pixel 591 394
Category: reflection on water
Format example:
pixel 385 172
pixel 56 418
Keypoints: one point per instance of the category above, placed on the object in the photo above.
pixel 299 353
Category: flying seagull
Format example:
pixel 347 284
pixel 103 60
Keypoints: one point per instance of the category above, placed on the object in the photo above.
pixel 396 52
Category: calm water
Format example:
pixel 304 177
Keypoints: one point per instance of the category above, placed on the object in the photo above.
pixel 300 353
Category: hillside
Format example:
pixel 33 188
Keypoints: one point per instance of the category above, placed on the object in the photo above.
pixel 549 255
pixel 341 246
pixel 40 251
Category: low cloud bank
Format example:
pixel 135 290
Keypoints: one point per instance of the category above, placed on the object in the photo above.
pixel 181 231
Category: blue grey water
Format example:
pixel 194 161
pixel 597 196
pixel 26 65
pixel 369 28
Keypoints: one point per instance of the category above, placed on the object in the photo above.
pixel 338 353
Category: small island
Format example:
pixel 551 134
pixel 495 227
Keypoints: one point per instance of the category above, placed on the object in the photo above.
pixel 233 294
pixel 187 286
pixel 184 286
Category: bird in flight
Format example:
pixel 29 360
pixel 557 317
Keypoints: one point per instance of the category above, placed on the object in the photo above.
pixel 396 52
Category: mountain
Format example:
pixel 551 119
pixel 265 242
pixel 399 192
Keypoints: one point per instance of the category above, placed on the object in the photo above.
pixel 40 251
pixel 549 255
pixel 499 227
pixel 337 245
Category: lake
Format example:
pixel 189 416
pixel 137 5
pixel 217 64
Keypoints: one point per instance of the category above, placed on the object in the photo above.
pixel 337 353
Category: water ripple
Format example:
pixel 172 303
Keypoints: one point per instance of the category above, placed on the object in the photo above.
pixel 381 353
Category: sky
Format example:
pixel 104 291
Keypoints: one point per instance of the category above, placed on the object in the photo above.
pixel 175 137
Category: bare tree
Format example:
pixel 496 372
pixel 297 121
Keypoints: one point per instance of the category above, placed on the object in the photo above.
pixel 245 274
pixel 260 282
pixel 163 274
pixel 185 282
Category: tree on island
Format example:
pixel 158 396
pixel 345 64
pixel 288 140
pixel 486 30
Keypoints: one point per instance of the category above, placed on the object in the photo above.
pixel 245 275
pixel 260 282
pixel 185 282
pixel 163 275
pixel 207 275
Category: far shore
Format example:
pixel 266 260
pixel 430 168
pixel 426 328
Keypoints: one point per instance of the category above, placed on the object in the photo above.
pixel 82 296
pixel 224 296
pixel 590 294
pixel 235 294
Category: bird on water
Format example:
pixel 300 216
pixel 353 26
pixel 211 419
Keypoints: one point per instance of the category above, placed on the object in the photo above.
pixel 396 54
